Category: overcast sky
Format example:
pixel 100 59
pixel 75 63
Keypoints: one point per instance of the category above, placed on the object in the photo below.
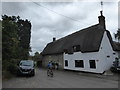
pixel 58 19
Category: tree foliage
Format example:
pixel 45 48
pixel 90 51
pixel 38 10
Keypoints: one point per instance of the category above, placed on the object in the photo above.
pixel 24 33
pixel 16 34
pixel 9 38
pixel 36 56
pixel 0 40
pixel 117 35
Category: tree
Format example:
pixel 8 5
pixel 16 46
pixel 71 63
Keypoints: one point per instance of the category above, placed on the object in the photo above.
pixel 36 56
pixel 24 33
pixel 9 38
pixel 16 34
pixel 117 35
pixel 0 40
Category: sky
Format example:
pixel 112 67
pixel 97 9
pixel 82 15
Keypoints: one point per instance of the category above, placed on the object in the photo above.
pixel 59 19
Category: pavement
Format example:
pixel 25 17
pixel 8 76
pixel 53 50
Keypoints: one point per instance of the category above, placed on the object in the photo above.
pixel 63 79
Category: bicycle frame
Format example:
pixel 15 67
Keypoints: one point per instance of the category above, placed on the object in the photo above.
pixel 50 72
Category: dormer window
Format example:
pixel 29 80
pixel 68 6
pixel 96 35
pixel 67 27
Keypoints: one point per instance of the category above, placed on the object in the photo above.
pixel 70 53
pixel 76 48
pixel 66 51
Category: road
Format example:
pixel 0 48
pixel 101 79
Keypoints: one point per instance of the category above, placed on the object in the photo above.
pixel 0 73
pixel 61 79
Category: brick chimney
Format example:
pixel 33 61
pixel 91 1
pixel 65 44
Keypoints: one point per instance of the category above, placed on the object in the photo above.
pixel 54 39
pixel 102 20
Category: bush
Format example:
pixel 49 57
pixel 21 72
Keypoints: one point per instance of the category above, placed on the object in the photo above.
pixel 10 66
pixel 6 75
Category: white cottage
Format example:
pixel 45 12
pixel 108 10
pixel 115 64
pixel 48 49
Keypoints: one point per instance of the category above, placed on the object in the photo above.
pixel 91 49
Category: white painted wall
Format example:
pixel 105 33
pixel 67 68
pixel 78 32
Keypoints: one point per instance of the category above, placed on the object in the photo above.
pixel 107 50
pixel 103 63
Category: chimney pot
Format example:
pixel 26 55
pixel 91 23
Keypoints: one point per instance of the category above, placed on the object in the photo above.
pixel 101 13
pixel 54 39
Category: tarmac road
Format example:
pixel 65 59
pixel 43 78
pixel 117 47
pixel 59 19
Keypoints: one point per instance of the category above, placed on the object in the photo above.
pixel 0 73
pixel 61 79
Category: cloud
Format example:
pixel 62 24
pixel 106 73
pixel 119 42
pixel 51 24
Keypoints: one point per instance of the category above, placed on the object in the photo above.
pixel 13 8
pixel 58 19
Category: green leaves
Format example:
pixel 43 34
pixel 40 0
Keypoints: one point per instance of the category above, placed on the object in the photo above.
pixel 16 34
pixel 117 35
pixel 9 34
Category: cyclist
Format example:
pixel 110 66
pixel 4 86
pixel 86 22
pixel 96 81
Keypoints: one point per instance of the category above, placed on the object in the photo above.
pixel 49 65
pixel 49 71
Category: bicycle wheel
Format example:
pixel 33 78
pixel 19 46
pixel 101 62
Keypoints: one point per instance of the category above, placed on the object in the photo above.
pixel 48 73
pixel 51 73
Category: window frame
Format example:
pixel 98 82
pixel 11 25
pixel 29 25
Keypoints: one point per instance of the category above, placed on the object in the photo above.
pixel 80 65
pixel 91 63
pixel 66 64
pixel 76 48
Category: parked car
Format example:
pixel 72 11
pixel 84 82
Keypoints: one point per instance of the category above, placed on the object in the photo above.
pixel 26 67
pixel 116 66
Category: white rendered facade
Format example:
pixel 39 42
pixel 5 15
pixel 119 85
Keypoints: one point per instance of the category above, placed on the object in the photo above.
pixel 103 58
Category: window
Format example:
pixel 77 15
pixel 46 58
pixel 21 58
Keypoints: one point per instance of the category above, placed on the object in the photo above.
pixel 92 64
pixel 108 56
pixel 114 53
pixel 66 51
pixel 66 63
pixel 79 63
pixel 70 53
pixel 76 48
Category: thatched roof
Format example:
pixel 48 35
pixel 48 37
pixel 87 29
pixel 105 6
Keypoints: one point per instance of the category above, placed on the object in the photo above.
pixel 89 40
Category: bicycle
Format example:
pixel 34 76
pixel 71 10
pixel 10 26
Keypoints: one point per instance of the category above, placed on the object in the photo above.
pixel 50 72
